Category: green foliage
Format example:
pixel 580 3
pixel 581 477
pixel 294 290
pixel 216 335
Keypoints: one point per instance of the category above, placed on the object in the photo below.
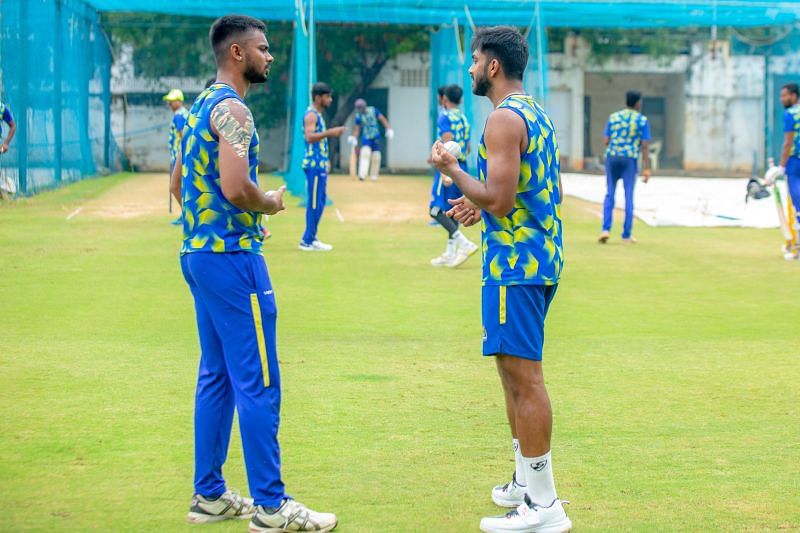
pixel 349 56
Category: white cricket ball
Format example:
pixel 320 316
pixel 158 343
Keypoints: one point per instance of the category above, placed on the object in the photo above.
pixel 453 148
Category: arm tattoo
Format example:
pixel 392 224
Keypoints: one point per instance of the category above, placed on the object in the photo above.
pixel 238 134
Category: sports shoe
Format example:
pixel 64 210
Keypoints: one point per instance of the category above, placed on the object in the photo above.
pixel 512 494
pixel 177 222
pixel 228 506
pixel 291 516
pixel 320 246
pixel 459 258
pixel 603 238
pixel 629 240
pixel 306 247
pixel 467 246
pixel 443 260
pixel 530 518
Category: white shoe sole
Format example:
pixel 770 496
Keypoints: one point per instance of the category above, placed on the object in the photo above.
pixel 200 518
pixel 256 529
pixel 559 527
pixel 458 261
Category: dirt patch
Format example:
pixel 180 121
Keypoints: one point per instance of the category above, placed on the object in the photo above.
pixel 394 199
pixel 142 195
pixel 390 199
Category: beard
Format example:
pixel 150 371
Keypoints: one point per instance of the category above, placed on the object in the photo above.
pixel 787 105
pixel 253 75
pixel 481 85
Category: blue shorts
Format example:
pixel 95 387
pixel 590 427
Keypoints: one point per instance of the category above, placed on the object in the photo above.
pixel 513 319
pixel 440 194
pixel 373 144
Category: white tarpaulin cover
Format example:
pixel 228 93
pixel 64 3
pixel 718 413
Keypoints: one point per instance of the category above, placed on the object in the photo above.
pixel 697 202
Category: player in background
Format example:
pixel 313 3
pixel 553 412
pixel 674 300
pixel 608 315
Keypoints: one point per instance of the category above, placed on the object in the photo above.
pixel 316 165
pixel 368 134
pixel 451 126
pixel 790 152
pixel 174 99
pixel 517 196
pixel 627 135
pixel 8 118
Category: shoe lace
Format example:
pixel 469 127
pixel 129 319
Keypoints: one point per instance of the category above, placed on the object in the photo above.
pixel 238 502
pixel 297 513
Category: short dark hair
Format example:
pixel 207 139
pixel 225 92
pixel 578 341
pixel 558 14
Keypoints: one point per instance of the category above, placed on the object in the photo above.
pixel 453 93
pixel 229 27
pixel 632 98
pixel 507 45
pixel 792 88
pixel 320 89
pixel 440 90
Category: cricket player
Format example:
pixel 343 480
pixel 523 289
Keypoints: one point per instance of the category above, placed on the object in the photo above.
pixel 627 135
pixel 215 180
pixel 368 133
pixel 315 165
pixel 452 125
pixel 174 99
pixel 790 153
pixel 517 196
pixel 8 118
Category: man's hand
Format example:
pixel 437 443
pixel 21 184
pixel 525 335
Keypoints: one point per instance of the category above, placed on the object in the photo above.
pixel 645 175
pixel 275 198
pixel 3 148
pixel 464 212
pixel 443 160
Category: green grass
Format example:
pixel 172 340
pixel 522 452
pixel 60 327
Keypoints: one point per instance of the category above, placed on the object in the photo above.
pixel 672 366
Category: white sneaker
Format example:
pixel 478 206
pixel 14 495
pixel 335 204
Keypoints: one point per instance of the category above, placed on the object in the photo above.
pixel 291 516
pixel 530 518
pixel 459 258
pixel 374 178
pixel 320 246
pixel 443 260
pixel 510 495
pixel 467 246
pixel 228 506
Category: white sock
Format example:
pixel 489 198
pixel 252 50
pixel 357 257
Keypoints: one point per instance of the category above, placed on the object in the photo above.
pixel 539 477
pixel 451 247
pixel 519 472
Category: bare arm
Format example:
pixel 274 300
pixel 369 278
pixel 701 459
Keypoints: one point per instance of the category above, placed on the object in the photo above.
pixel 12 129
pixel 175 178
pixel 788 141
pixel 310 124
pixel 504 135
pixel 357 131
pixel 385 122
pixel 606 140
pixel 233 122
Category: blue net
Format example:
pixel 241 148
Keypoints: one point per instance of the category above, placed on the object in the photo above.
pixel 56 61
pixel 56 67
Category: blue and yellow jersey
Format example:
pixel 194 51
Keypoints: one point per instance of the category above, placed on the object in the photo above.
pixel 454 121
pixel 626 130
pixel 791 124
pixel 525 247
pixel 210 222
pixel 5 116
pixel 175 129
pixel 368 120
pixel 316 153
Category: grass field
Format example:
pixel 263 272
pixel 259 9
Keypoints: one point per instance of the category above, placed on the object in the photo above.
pixel 672 366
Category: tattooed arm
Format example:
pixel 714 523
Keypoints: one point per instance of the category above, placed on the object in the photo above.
pixel 232 121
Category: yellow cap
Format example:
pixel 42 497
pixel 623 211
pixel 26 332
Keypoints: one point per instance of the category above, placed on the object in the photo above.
pixel 175 95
